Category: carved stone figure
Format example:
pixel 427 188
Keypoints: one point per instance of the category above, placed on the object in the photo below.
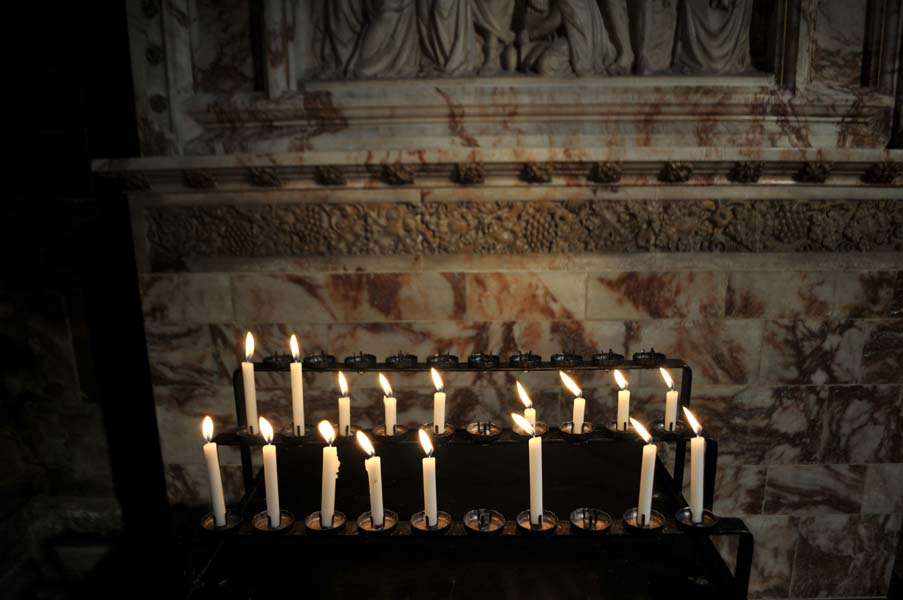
pixel 390 46
pixel 493 20
pixel 713 36
pixel 446 36
pixel 343 23
pixel 642 32
pixel 565 36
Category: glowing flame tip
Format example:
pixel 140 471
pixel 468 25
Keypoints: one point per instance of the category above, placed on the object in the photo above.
pixel 667 377
pixel 266 430
pixel 364 442
pixel 327 431
pixel 638 427
pixel 249 346
pixel 426 442
pixel 384 383
pixel 343 384
pixel 293 343
pixel 622 381
pixel 523 423
pixel 524 397
pixel 207 428
pixel 691 419
pixel 570 384
pixel 437 379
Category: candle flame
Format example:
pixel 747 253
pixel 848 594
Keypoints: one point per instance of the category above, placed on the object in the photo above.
pixel 207 428
pixel 622 381
pixel 364 442
pixel 266 430
pixel 524 397
pixel 523 423
pixel 638 427
pixel 570 384
pixel 384 382
pixel 326 431
pixel 437 379
pixel 249 346
pixel 691 419
pixel 296 352
pixel 426 442
pixel 343 384
pixel 667 377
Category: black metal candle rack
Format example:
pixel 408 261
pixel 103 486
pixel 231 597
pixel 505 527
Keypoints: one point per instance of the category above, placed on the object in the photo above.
pixel 483 487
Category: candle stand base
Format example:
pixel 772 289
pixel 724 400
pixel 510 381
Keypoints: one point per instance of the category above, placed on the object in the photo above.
pixel 611 429
pixel 541 430
pixel 398 432
pixel 684 519
pixel 313 524
pixel 590 521
pixel 484 521
pixel 547 525
pixel 483 432
pixel 246 434
pixel 568 433
pixel 655 525
pixel 680 432
pixel 208 522
pixel 419 523
pixel 365 523
pixel 261 522
pixel 443 436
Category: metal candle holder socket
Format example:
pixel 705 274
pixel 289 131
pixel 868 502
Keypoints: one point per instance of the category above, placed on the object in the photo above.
pixel 564 360
pixel 360 360
pixel 590 521
pixel 483 361
pixel 567 431
pixel 437 436
pixel 442 361
pixel 314 524
pixel 540 429
pixel 680 431
pixel 261 522
pixel 398 432
pixel 548 523
pixel 684 520
pixel 402 361
pixel 524 360
pixel 484 521
pixel 208 522
pixel 621 434
pixel 606 359
pixel 655 525
pixel 365 523
pixel 483 431
pixel 420 524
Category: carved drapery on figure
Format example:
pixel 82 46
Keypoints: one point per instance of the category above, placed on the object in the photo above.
pixel 390 46
pixel 713 36
pixel 447 36
pixel 493 19
pixel 565 36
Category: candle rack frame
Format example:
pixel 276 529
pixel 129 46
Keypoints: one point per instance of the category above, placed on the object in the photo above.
pixel 669 483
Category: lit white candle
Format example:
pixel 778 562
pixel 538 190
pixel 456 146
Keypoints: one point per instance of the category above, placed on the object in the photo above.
pixel 535 448
pixel 623 402
pixel 438 403
pixel 529 411
pixel 344 407
pixel 375 478
pixel 270 475
pixel 330 474
pixel 389 402
pixel 579 401
pixel 430 507
pixel 217 499
pixel 647 475
pixel 670 401
pixel 247 376
pixel 297 388
pixel 697 467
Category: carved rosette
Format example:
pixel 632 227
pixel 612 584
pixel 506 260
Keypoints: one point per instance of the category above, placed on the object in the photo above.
pixel 264 177
pixel 200 180
pixel 158 103
pixel 882 173
pixel 676 172
pixel 814 172
pixel 469 173
pixel 397 174
pixel 746 171
pixel 606 172
pixel 538 172
pixel 329 175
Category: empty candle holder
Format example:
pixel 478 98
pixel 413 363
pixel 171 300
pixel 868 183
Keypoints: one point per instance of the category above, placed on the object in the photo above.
pixel 420 523
pixel 278 361
pixel 314 523
pixel 524 360
pixel 590 520
pixel 348 434
pixel 319 360
pixel 396 433
pixel 366 527
pixel 584 433
pixel 442 361
pixel 648 357
pixel 684 520
pixel 440 436
pixel 208 522
pixel 607 359
pixel 484 521
pixel 564 360
pixel 539 427
pixel 483 431
pixel 613 431
pixel 360 361
pixel 401 361
pixel 548 523
pixel 680 431
pixel 483 361
pixel 656 521
pixel 261 522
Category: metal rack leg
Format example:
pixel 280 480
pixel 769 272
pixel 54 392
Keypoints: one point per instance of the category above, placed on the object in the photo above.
pixel 247 471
